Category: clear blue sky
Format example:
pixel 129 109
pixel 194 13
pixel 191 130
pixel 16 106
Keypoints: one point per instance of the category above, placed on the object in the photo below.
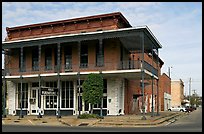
pixel 177 26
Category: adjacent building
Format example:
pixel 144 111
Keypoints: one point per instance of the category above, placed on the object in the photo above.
pixel 48 62
pixel 177 92
pixel 165 92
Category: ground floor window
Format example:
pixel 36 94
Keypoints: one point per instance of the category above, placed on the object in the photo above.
pixel 51 100
pixel 67 94
pixel 104 104
pixel 24 95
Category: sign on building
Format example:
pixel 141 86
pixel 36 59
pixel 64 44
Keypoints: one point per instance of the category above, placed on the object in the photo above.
pixel 49 91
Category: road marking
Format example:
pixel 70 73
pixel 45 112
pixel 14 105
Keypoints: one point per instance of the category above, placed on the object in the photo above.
pixel 31 122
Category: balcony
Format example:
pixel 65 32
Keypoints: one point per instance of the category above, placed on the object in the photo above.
pixel 122 65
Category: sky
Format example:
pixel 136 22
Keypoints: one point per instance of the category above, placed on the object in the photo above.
pixel 177 26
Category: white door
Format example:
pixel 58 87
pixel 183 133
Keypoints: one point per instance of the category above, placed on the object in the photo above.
pixel 34 101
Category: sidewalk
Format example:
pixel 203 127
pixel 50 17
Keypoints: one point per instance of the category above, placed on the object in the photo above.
pixel 163 118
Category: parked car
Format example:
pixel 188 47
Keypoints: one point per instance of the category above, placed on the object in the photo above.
pixel 177 109
pixel 189 109
pixel 194 107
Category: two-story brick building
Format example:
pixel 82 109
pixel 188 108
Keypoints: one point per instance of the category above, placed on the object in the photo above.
pixel 47 63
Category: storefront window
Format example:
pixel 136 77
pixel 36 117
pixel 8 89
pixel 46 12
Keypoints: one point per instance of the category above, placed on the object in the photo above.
pixel 51 100
pixel 67 94
pixel 24 95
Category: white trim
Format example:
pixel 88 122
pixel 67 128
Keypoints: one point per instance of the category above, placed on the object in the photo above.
pixel 82 73
pixel 32 75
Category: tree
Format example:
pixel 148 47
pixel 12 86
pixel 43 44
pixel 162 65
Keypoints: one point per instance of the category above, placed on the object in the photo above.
pixel 93 89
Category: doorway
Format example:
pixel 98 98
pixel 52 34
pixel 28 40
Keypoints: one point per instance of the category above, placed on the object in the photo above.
pixel 34 101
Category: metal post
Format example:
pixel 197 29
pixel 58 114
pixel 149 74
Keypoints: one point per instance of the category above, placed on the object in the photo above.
pixel 4 110
pixel 190 92
pixel 152 84
pixel 143 106
pixel 58 82
pixel 79 105
pixel 158 84
pixel 152 96
pixel 39 98
pixel 39 91
pixel 101 109
pixel 21 101
pixel 79 54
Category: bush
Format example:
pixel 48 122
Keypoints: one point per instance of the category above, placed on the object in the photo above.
pixel 87 116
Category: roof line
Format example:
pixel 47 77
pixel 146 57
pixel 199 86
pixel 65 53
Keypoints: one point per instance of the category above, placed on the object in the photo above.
pixel 71 20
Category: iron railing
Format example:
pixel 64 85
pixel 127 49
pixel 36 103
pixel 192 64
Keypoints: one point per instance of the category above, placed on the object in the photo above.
pixel 108 66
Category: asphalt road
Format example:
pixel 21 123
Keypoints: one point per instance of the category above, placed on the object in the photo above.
pixel 188 123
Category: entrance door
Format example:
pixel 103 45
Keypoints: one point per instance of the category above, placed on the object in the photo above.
pixel 34 101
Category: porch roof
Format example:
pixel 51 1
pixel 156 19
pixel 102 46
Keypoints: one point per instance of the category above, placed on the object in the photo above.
pixel 130 38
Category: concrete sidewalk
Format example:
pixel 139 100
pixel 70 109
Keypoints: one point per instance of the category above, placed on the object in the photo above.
pixel 163 118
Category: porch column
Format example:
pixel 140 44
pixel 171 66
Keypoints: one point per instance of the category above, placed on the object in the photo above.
pixel 101 109
pixel 152 84
pixel 4 84
pixel 79 90
pixel 158 83
pixel 39 78
pixel 58 79
pixel 21 102
pixel 142 73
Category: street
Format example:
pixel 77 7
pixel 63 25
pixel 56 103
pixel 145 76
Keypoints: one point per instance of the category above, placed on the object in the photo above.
pixel 188 123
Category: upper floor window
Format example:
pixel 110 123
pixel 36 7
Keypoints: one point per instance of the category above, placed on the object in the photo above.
pixel 68 57
pixel 35 59
pixel 23 69
pixel 99 57
pixel 48 59
pixel 84 56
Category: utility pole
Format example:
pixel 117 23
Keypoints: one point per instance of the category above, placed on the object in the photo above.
pixel 169 71
pixel 189 92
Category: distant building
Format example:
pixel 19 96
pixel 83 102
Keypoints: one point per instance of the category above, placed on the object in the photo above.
pixel 177 92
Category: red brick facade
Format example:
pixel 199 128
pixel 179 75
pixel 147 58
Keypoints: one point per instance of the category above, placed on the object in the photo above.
pixel 165 87
pixel 71 26
pixel 112 54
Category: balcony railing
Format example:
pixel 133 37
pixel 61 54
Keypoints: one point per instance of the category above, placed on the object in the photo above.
pixel 122 65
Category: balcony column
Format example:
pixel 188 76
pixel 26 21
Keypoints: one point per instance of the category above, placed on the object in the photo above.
pixel 142 73
pixel 158 83
pixel 39 78
pixel 152 84
pixel 58 79
pixel 21 77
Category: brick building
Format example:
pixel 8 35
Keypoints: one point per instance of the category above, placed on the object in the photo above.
pixel 47 60
pixel 165 92
pixel 177 92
